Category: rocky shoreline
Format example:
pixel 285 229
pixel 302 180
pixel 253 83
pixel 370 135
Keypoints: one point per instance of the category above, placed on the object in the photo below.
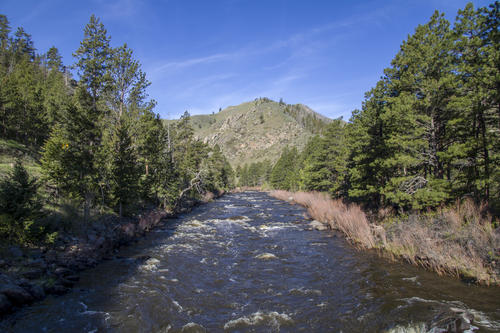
pixel 30 274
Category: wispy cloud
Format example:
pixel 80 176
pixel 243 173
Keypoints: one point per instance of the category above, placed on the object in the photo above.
pixel 270 68
pixel 195 61
pixel 300 44
pixel 201 85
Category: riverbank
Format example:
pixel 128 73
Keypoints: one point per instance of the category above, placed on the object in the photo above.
pixel 29 274
pixel 458 241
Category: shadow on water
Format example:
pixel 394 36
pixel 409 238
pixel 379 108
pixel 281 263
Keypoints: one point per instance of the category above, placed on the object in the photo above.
pixel 248 262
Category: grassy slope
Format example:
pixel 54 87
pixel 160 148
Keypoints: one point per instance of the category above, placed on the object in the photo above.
pixel 242 136
pixel 11 150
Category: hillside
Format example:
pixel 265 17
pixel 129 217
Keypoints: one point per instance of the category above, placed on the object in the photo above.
pixel 258 130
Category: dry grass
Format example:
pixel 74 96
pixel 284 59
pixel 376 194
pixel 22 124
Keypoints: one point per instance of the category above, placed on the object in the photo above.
pixel 458 241
pixel 349 219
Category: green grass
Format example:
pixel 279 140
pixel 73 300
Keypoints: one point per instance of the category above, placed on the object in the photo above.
pixel 11 150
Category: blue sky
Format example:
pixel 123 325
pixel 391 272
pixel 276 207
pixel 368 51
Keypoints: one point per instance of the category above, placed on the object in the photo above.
pixel 202 55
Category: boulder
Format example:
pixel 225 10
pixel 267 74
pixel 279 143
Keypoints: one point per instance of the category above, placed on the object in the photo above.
pixel 56 289
pixel 318 225
pixel 35 290
pixel 193 328
pixel 34 273
pixel 73 278
pixel 66 283
pixel 63 271
pixel 5 304
pixel 15 252
pixel 37 263
pixel 16 294
pixel 453 320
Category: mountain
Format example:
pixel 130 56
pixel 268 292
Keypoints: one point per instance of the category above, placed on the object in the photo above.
pixel 258 130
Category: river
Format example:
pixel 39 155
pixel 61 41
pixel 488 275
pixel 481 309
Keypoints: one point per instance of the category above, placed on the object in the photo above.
pixel 250 263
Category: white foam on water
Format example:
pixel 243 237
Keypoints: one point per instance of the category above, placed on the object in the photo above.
pixel 480 318
pixel 150 265
pixel 178 247
pixel 411 328
pixel 177 305
pixel 194 223
pixel 318 244
pixel 193 327
pixel 266 256
pixel 273 319
pixel 92 313
pixel 414 299
pixel 412 279
pixel 85 307
pixel 304 291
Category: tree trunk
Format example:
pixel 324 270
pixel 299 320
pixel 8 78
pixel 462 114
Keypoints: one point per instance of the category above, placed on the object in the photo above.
pixel 86 207
pixel 484 143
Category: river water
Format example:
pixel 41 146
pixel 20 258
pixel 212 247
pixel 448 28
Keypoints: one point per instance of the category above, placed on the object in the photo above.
pixel 250 263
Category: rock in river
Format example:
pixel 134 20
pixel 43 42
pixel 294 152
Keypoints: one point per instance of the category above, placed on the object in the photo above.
pixel 318 225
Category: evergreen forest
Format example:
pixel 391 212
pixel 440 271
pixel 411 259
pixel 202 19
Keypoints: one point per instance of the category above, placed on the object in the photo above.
pixel 428 133
pixel 100 145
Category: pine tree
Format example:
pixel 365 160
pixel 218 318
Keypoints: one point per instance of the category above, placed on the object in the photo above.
pixel 122 168
pixel 284 174
pixel 69 157
pixel 93 57
pixel 128 81
pixel 367 149
pixel 19 202
pixel 476 126
pixel 324 162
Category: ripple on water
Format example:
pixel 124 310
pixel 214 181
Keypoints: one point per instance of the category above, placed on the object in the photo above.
pixel 272 320
pixel 251 269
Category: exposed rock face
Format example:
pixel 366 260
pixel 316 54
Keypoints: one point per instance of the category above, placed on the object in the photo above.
pixel 258 130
